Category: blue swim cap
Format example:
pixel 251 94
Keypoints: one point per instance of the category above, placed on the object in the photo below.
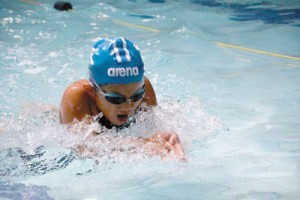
pixel 115 61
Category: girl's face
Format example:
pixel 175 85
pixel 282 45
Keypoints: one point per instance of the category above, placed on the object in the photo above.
pixel 118 114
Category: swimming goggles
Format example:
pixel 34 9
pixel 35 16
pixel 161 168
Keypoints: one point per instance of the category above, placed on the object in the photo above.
pixel 116 98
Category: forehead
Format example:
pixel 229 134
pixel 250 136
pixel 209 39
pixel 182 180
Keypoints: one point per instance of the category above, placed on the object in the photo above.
pixel 125 89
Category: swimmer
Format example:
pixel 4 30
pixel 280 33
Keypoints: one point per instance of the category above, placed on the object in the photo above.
pixel 116 89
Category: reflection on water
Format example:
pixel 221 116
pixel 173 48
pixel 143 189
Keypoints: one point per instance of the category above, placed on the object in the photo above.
pixel 22 191
pixel 264 11
pixel 15 162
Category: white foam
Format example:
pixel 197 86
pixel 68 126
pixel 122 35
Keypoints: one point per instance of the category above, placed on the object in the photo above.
pixel 35 70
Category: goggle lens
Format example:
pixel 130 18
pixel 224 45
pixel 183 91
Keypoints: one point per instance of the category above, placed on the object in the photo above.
pixel 116 98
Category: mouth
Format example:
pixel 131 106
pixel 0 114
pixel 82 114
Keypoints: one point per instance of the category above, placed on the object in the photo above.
pixel 122 118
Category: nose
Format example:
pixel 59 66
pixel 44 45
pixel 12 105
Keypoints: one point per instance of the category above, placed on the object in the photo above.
pixel 128 105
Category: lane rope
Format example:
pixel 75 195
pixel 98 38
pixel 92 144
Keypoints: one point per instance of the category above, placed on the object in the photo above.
pixel 257 51
pixel 135 26
pixel 31 2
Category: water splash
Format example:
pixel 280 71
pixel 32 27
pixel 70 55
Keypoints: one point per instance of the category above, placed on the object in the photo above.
pixel 35 139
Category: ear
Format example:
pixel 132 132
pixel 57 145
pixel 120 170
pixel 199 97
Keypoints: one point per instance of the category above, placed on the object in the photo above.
pixel 150 97
pixel 88 88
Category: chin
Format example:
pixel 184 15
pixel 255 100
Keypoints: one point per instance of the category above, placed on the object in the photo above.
pixel 116 122
pixel 119 123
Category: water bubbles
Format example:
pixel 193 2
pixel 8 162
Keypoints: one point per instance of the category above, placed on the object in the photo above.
pixel 7 20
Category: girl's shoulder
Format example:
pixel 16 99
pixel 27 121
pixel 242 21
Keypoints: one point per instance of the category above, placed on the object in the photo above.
pixel 77 101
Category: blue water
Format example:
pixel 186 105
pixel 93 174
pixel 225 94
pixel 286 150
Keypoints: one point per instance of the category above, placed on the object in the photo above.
pixel 237 112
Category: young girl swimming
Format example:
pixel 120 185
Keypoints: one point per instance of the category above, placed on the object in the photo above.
pixel 116 89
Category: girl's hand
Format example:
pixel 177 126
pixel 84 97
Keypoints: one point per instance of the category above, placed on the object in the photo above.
pixel 165 143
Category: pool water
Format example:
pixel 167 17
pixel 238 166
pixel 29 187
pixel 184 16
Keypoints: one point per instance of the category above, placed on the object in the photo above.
pixel 226 75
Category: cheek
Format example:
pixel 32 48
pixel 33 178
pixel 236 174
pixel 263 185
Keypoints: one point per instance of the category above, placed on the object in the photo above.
pixel 133 105
pixel 138 103
pixel 105 107
pixel 109 113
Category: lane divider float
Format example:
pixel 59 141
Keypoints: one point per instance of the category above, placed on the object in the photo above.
pixel 122 23
pixel 222 44
pixel 31 2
